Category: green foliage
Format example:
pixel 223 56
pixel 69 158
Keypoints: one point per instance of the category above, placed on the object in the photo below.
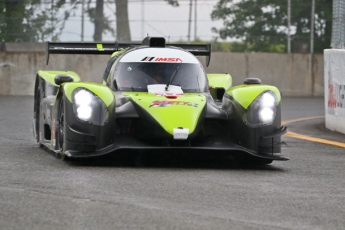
pixel 262 24
pixel 26 20
pixel 241 46
pixel 38 20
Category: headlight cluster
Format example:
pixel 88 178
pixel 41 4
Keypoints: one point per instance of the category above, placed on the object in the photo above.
pixel 89 107
pixel 262 111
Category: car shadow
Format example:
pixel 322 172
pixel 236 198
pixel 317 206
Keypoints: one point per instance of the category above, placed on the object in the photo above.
pixel 173 159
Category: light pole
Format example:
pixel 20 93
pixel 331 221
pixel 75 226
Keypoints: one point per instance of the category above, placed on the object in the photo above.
pixel 312 19
pixel 190 19
pixel 288 26
pixel 82 19
pixel 142 18
pixel 195 20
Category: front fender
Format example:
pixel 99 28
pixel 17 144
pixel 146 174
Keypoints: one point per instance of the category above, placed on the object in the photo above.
pixel 246 94
pixel 81 135
pixel 100 90
pixel 236 102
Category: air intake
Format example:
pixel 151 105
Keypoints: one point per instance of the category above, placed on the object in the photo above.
pixel 154 42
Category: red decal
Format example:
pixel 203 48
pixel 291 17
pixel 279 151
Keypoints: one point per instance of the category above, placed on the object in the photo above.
pixel 161 59
pixel 163 103
pixel 332 100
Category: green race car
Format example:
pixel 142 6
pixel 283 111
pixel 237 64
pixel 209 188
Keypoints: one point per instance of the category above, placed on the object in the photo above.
pixel 155 96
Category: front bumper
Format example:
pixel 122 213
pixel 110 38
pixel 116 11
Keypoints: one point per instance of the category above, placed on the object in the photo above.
pixel 219 144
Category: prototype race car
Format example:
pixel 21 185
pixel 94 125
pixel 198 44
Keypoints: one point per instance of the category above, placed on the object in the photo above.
pixel 154 96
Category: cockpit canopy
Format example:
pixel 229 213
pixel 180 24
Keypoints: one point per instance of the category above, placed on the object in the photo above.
pixel 145 66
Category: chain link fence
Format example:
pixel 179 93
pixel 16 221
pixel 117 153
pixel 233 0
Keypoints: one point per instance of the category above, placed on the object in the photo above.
pixel 47 20
pixel 338 28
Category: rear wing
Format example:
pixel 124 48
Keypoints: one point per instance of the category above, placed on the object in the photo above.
pixel 197 50
pixel 100 48
pixel 84 48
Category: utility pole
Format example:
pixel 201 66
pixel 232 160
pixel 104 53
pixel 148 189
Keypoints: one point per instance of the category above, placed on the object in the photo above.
pixel 195 20
pixel 289 25
pixel 142 19
pixel 312 21
pixel 82 19
pixel 190 19
pixel 52 19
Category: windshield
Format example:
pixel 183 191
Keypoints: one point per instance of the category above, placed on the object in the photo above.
pixel 135 76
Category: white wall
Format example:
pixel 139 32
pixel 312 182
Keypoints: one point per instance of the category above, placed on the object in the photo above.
pixel 334 77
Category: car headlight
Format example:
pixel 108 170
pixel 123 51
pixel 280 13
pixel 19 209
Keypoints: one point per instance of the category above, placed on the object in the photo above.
pixel 262 111
pixel 89 107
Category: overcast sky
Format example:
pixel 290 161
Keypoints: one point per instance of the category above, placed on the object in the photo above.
pixel 153 17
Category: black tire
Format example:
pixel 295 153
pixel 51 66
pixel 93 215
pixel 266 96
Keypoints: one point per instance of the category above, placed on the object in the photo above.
pixel 39 95
pixel 61 127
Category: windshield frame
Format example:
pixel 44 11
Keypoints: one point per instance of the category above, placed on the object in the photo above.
pixel 196 82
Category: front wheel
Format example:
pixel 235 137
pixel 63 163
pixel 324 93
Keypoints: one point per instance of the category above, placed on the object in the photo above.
pixel 61 127
pixel 39 95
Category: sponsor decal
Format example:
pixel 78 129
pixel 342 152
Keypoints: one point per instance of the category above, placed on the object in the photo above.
pixel 100 47
pixel 163 103
pixel 162 59
pixel 335 96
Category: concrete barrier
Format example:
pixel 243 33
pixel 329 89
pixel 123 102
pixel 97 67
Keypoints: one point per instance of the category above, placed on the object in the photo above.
pixel 334 89
pixel 293 74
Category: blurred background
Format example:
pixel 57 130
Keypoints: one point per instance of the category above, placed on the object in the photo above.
pixel 281 26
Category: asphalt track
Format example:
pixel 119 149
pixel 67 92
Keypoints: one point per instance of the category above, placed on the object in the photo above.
pixel 309 138
pixel 39 191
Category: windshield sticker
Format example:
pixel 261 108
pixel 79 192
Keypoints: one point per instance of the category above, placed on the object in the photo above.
pixel 161 59
pixel 168 94
pixel 162 103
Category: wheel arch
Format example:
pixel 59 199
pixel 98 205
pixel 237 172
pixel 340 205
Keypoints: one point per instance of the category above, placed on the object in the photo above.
pixel 246 94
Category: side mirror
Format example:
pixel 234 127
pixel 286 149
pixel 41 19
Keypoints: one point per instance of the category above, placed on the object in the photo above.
pixel 252 81
pixel 61 78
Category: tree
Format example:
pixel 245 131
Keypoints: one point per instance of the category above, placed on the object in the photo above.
pixel 14 21
pixel 262 24
pixel 37 20
pixel 98 20
pixel 28 20
pixel 13 14
pixel 122 22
